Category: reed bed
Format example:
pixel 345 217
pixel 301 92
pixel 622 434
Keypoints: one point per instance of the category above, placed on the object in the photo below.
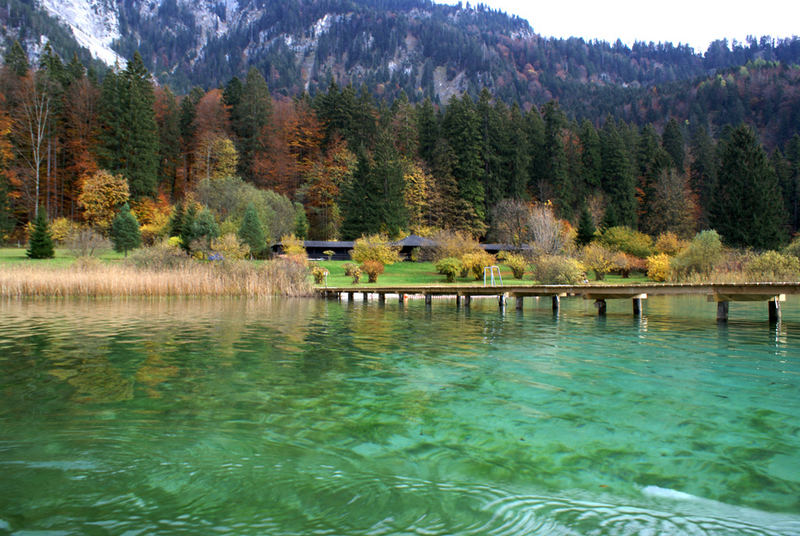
pixel 276 278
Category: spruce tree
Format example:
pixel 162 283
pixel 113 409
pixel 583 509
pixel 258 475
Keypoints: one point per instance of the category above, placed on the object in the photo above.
pixel 250 116
pixel 175 224
pixel 747 209
pixel 40 245
pixel 672 141
pixel 205 226
pixel 619 182
pixel 359 201
pixel 188 228
pixel 251 232
pixel 461 128
pixel 586 228
pixel 125 234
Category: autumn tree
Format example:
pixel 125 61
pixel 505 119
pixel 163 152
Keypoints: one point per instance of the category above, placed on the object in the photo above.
pixel 102 194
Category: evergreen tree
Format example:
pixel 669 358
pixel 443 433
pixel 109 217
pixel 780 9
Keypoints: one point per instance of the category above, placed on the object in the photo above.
pixel 125 234
pixel 175 224
pixel 205 227
pixel 250 117
pixel 16 60
pixel 586 228
pixel 672 140
pixel 360 202
pixel 591 159
pixel 40 244
pixel 560 190
pixel 427 130
pixel 618 179
pixel 189 228
pixel 300 221
pixel 792 183
pixel 747 208
pixel 169 131
pixel 461 128
pixel 251 232
pixel 519 159
pixel 703 172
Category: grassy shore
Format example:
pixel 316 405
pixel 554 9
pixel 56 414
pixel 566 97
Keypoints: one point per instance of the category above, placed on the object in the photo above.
pixel 424 273
pixel 65 276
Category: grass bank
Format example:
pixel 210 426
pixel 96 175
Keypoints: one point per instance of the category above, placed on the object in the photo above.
pixel 95 279
pixel 424 273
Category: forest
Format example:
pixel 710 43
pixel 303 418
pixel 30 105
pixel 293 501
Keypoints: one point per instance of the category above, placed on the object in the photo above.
pixel 346 163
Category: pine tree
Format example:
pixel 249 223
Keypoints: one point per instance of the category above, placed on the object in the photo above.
pixel 250 116
pixel 251 232
pixel 125 234
pixel 175 224
pixel 40 245
pixel 618 179
pixel 561 190
pixel 16 59
pixel 703 172
pixel 205 226
pixel 672 140
pixel 359 201
pixel 586 228
pixel 747 209
pixel 461 127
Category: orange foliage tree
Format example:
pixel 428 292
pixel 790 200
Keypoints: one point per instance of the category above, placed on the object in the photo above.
pixel 101 197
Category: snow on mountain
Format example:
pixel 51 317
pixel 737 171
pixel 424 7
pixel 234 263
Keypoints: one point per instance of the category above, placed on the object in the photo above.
pixel 94 24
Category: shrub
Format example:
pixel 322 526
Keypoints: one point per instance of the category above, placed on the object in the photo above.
pixel 61 229
pixel 793 248
pixel 349 268
pixel 516 263
pixel 160 256
pixel 329 253
pixel 292 245
pixel 449 244
pixel 229 247
pixel 449 267
pixel 773 266
pixel 700 255
pixel 658 267
pixel 356 275
pixel 374 248
pixel 318 273
pixel 597 258
pixel 628 241
pixel 86 242
pixel 373 269
pixel 669 244
pixel 475 262
pixel 40 244
pixel 556 269
pixel 625 264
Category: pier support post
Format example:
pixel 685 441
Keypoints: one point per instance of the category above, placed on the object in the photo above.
pixel 458 301
pixel 428 300
pixel 637 307
pixel 401 298
pixel 601 307
pixel 722 311
pixel 351 296
pixel 381 298
pixel 519 302
pixel 501 300
pixel 556 303
pixel 366 296
pixel 467 299
pixel 774 307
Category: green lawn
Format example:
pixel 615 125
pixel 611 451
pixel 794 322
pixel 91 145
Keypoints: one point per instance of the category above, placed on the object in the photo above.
pixel 424 273
pixel 62 258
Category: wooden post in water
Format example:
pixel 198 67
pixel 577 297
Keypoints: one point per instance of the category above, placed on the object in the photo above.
pixel 467 299
pixel 601 307
pixel 381 298
pixel 556 303
pixel 519 302
pixel 774 308
pixel 637 307
pixel 428 300
pixel 501 300
pixel 458 301
pixel 351 296
pixel 366 296
pixel 722 311
pixel 401 298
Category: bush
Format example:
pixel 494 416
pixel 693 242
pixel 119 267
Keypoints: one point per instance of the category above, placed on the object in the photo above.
pixel 40 244
pixel 329 253
pixel 658 267
pixel 349 268
pixel 555 269
pixel 628 241
pixel 625 264
pixel 669 244
pixel 374 248
pixel 373 269
pixel 773 266
pixel 61 229
pixel 516 263
pixel 793 248
pixel 86 242
pixel 318 273
pixel 597 258
pixel 292 245
pixel 449 244
pixel 700 255
pixel 356 275
pixel 475 262
pixel 449 267
pixel 160 256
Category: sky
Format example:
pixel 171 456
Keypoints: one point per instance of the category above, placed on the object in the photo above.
pixel 693 22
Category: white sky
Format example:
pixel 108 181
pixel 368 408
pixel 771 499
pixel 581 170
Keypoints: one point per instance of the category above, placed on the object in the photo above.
pixel 695 23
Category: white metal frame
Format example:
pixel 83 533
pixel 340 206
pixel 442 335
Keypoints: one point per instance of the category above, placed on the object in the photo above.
pixel 491 270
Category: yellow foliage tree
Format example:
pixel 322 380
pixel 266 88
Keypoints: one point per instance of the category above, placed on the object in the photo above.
pixel 416 194
pixel 216 157
pixel 101 197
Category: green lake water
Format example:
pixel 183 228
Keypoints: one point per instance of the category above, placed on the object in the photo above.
pixel 318 417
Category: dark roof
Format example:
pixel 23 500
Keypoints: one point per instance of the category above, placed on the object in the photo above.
pixel 414 241
pixel 327 244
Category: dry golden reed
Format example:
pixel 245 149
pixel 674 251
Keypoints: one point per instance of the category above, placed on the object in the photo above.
pixel 277 278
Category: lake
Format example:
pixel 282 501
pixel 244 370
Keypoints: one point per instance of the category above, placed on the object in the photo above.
pixel 307 416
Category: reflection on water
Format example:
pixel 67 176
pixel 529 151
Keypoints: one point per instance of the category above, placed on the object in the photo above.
pixel 311 416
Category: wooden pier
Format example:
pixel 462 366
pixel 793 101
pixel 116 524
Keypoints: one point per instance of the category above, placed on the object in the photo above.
pixel 720 293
